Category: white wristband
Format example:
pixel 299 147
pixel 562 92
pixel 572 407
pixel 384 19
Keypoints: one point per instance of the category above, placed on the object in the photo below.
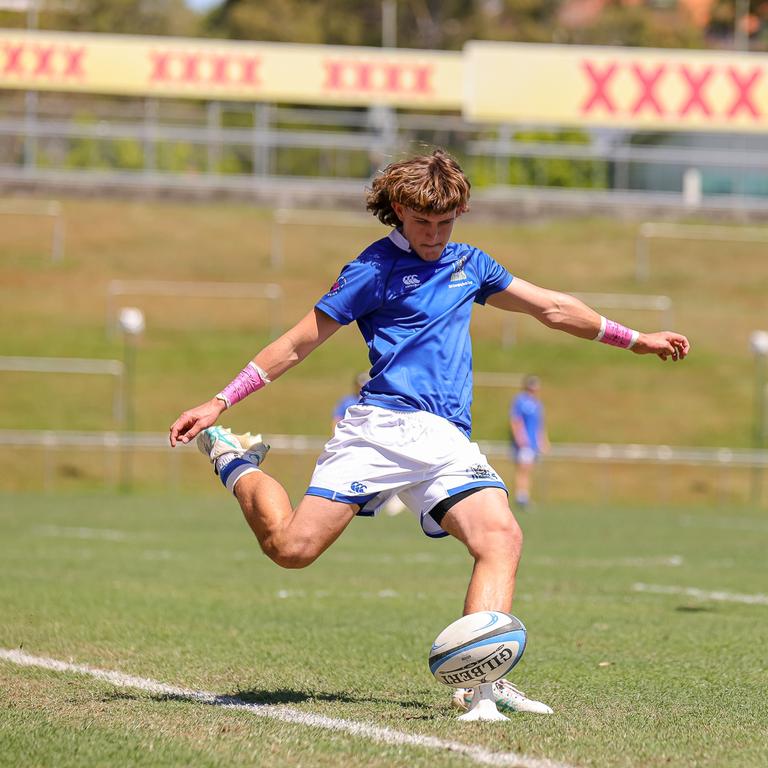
pixel 601 332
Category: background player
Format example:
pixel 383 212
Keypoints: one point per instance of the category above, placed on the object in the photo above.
pixel 392 506
pixel 351 399
pixel 529 436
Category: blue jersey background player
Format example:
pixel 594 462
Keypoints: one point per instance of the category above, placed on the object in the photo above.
pixel 411 294
pixel 340 408
pixel 529 436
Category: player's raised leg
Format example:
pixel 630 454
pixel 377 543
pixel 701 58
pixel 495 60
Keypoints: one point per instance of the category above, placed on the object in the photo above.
pixel 291 538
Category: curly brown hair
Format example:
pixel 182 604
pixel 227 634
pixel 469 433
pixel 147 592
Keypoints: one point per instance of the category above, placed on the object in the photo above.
pixel 428 183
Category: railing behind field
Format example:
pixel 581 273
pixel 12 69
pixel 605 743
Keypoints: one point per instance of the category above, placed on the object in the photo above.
pixel 271 292
pixel 38 210
pixel 116 445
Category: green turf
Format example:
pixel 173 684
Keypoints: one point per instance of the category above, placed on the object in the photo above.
pixel 191 347
pixel 174 588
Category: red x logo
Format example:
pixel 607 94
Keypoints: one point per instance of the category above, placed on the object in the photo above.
pixel 13 62
pixel 44 65
pixel 197 68
pixel 367 77
pixel 696 85
pixel 648 82
pixel 43 61
pixel 744 85
pixel 73 64
pixel 599 95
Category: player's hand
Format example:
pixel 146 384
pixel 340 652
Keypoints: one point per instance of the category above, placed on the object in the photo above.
pixel 666 345
pixel 194 421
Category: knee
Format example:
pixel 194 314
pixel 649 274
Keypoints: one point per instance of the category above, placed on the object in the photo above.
pixel 501 537
pixel 289 554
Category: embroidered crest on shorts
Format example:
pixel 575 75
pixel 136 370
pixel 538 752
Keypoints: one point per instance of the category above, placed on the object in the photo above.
pixel 482 472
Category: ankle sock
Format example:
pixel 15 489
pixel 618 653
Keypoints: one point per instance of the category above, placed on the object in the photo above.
pixel 233 470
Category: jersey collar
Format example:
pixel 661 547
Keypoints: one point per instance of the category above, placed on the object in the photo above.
pixel 399 239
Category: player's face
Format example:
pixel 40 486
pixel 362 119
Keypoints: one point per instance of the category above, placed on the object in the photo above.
pixel 427 233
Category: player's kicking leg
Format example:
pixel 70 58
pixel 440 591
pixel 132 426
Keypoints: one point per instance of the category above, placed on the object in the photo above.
pixel 292 538
pixel 487 527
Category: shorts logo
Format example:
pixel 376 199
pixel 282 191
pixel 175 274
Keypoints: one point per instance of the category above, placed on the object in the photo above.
pixel 358 487
pixel 482 472
pixel 337 286
pixel 411 281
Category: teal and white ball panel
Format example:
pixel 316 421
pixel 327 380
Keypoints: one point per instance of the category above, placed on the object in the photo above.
pixel 479 648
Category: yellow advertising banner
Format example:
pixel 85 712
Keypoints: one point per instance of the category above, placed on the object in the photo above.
pixel 639 88
pixel 228 70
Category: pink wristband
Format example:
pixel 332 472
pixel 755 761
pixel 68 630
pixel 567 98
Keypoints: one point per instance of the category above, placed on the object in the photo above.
pixel 248 380
pixel 616 335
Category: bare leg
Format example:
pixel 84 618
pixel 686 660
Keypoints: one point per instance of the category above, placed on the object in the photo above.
pixel 523 473
pixel 292 538
pixel 484 522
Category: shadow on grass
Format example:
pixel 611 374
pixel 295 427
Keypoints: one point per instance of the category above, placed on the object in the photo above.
pixel 694 609
pixel 280 697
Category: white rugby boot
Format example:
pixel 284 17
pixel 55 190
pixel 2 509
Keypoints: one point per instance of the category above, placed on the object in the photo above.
pixel 508 699
pixel 217 441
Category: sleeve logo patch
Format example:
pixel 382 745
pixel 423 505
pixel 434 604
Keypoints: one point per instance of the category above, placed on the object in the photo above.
pixel 337 286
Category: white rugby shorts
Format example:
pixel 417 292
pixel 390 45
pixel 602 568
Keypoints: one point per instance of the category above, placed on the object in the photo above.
pixel 376 453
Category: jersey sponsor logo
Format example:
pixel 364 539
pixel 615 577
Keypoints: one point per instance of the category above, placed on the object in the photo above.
pixel 337 286
pixel 462 284
pixel 458 270
pixel 411 281
pixel 358 487
pixel 482 472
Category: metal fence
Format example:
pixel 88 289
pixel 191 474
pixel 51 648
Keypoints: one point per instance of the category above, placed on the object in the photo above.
pixel 120 448
pixel 192 147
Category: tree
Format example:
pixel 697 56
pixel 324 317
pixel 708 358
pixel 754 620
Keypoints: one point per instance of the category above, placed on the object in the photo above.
pixel 141 17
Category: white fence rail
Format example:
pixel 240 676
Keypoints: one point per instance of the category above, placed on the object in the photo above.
pixel 74 365
pixel 651 230
pixel 116 445
pixel 284 217
pixel 311 444
pixel 609 452
pixel 46 210
pixel 192 289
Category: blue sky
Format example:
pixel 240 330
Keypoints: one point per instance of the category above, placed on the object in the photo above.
pixel 201 5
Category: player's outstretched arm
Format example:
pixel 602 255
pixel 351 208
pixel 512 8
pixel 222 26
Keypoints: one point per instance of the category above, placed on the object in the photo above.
pixel 567 313
pixel 273 361
pixel 665 344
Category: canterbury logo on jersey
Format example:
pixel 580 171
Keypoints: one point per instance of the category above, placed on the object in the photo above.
pixel 411 281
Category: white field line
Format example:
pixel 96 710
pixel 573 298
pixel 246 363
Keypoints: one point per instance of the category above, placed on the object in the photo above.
pixel 671 561
pixel 701 594
pixel 286 714
pixel 72 532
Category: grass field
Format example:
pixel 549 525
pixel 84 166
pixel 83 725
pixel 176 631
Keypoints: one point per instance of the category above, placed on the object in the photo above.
pixel 718 293
pixel 592 394
pixel 175 589
pixel 647 609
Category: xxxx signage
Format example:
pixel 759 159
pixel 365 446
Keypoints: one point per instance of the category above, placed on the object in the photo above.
pixel 216 69
pixel 640 88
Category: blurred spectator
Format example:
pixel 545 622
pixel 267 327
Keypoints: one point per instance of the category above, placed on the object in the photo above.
pixel 394 506
pixel 529 436
pixel 351 399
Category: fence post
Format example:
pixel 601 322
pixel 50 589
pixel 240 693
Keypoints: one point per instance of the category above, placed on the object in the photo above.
pixel 642 255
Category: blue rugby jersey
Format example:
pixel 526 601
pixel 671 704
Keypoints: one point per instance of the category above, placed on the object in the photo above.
pixel 530 409
pixel 414 316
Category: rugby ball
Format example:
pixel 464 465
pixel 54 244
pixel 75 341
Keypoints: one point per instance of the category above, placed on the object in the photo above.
pixel 478 648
